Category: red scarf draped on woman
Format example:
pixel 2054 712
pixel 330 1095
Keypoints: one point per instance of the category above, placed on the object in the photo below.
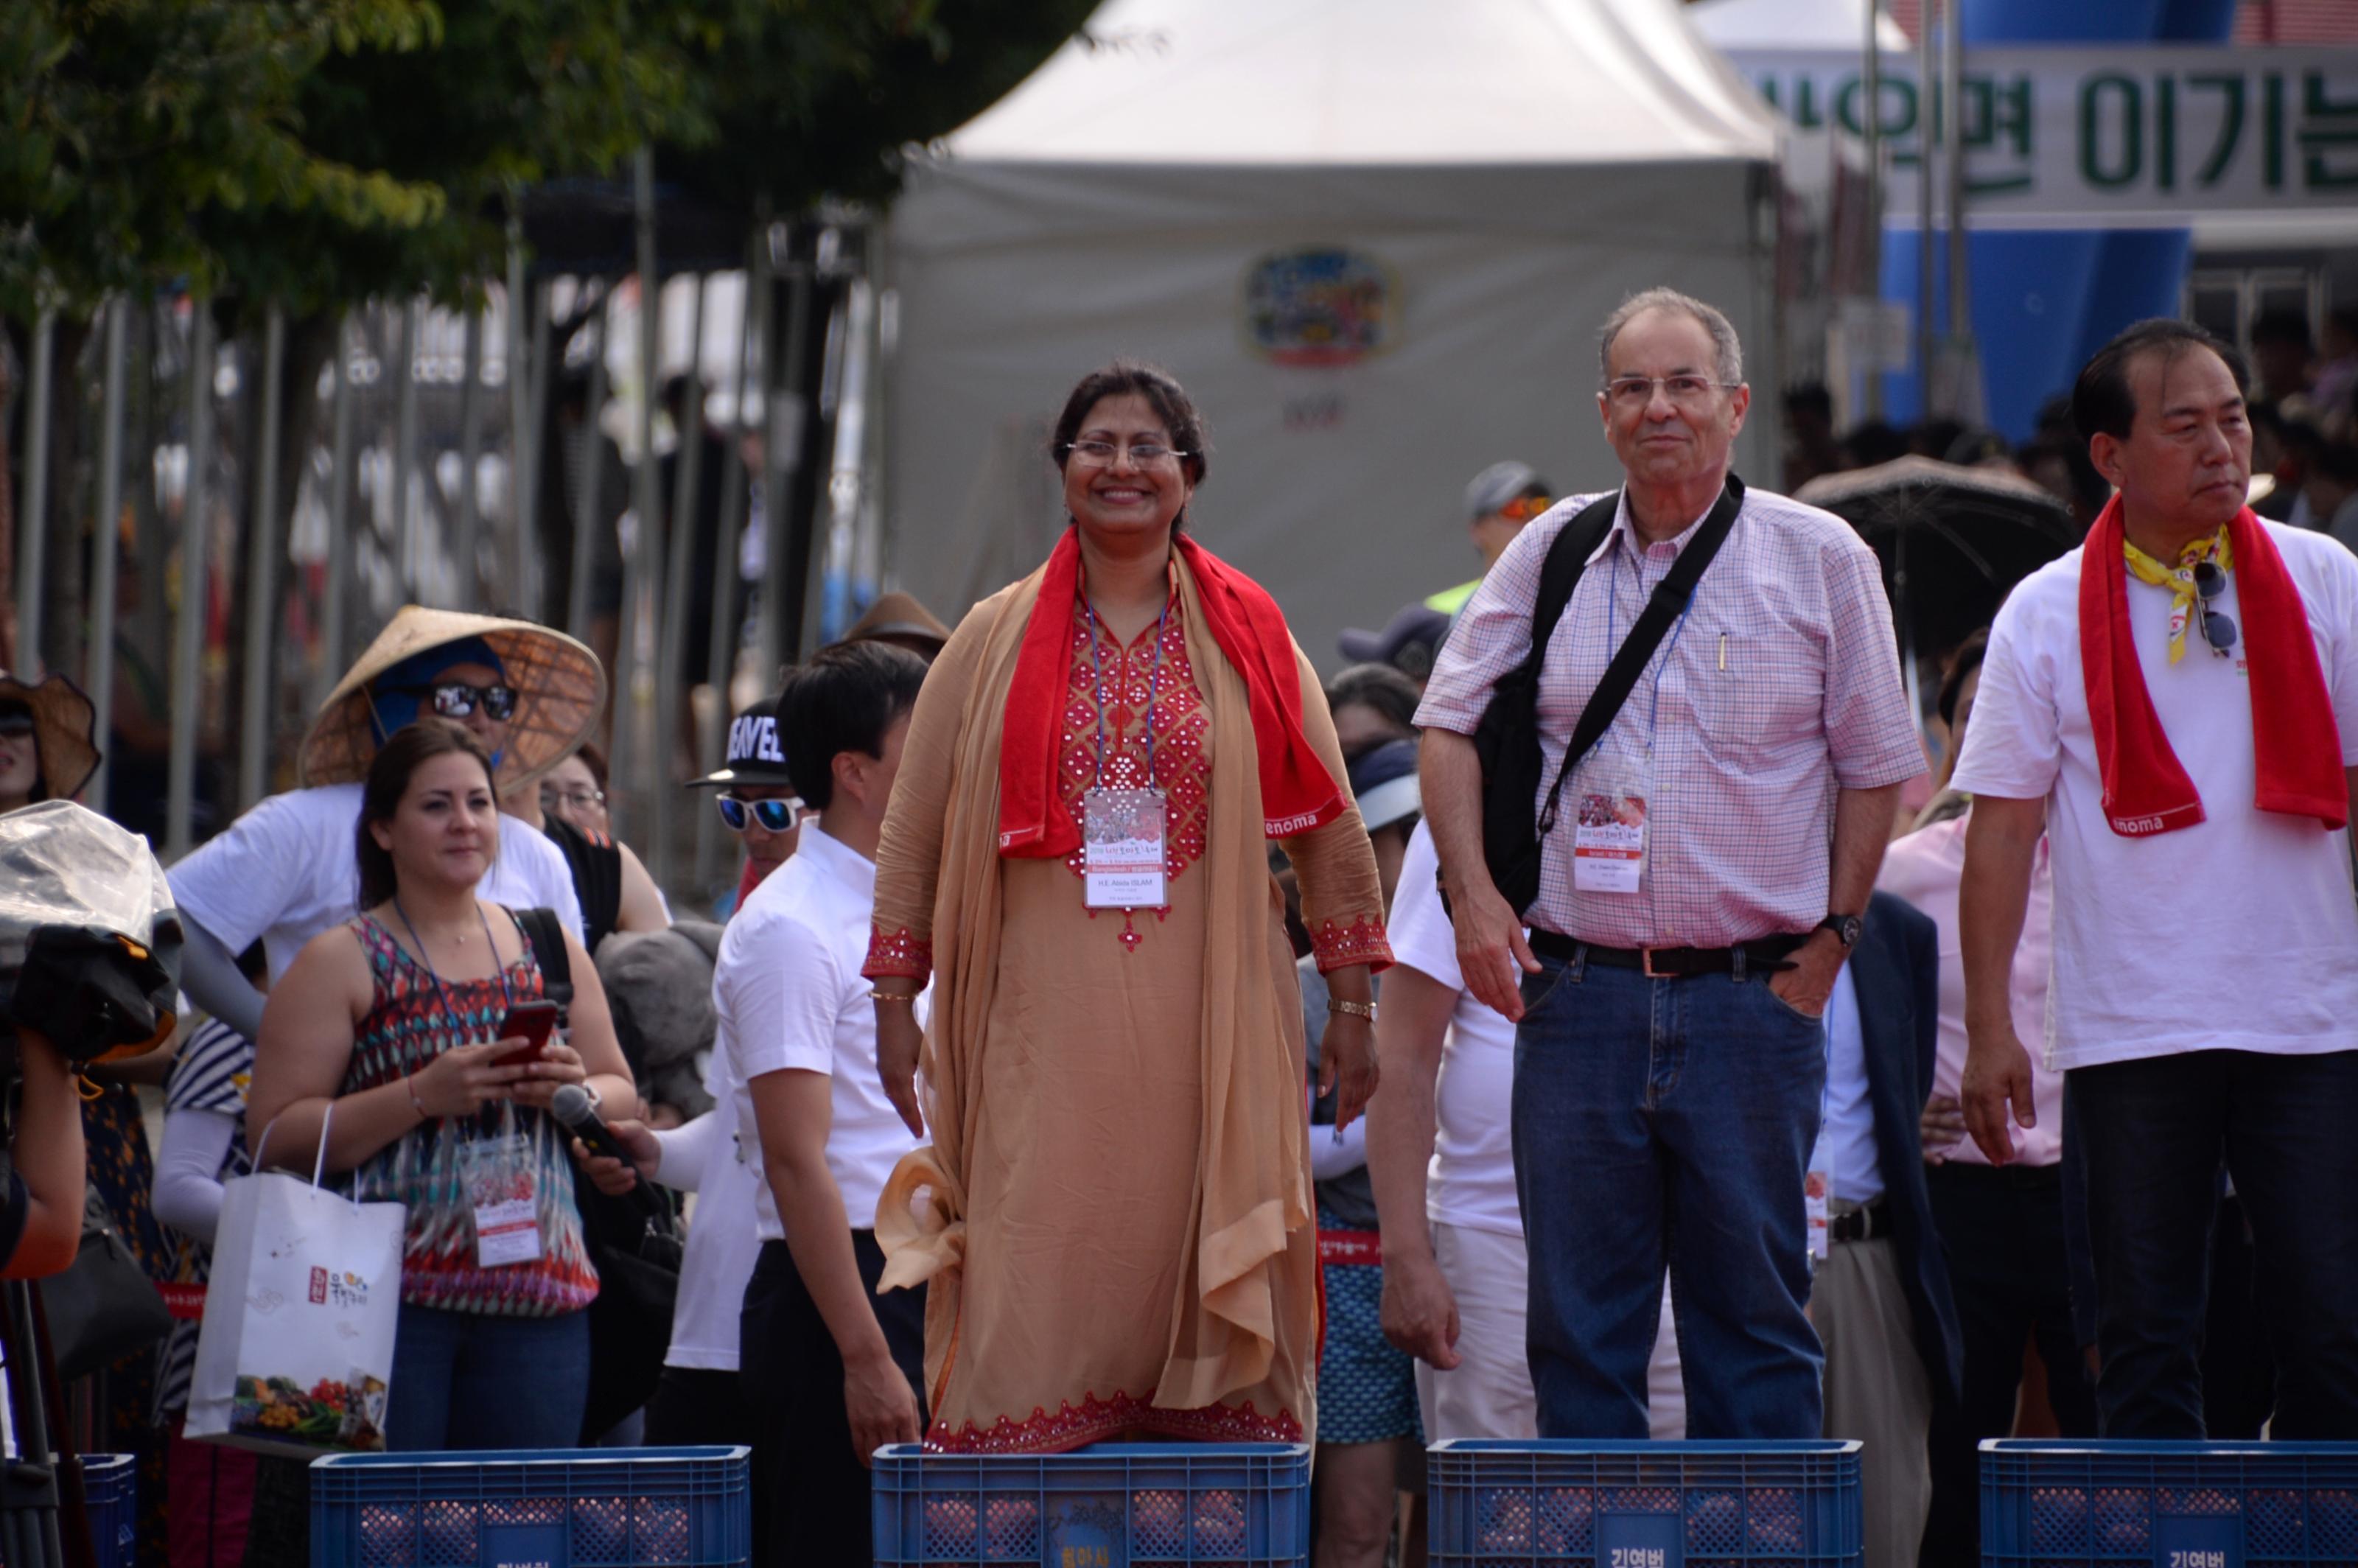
pixel 1297 793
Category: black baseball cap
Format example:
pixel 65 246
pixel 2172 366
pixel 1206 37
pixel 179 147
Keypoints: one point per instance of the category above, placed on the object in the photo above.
pixel 756 756
pixel 1409 642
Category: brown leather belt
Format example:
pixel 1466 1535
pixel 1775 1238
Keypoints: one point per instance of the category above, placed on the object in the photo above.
pixel 1767 955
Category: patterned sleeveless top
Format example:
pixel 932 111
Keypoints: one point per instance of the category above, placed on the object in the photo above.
pixel 407 1026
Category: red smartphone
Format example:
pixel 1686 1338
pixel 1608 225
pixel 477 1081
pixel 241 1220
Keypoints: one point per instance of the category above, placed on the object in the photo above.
pixel 531 1020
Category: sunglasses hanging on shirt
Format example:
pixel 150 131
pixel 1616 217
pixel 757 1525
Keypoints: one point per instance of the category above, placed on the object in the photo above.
pixel 2218 627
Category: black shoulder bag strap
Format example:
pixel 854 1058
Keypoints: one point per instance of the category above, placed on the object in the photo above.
pixel 1664 607
pixel 546 935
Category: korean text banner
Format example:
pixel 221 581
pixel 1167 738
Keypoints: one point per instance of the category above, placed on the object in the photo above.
pixel 2113 137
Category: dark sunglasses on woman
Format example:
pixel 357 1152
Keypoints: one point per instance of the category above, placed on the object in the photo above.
pixel 456 699
pixel 774 815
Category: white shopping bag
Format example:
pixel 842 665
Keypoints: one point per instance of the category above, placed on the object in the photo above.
pixel 295 1354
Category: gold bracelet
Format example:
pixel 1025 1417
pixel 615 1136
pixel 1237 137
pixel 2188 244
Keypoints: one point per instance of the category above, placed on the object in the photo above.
pixel 409 1082
pixel 1366 1009
pixel 911 997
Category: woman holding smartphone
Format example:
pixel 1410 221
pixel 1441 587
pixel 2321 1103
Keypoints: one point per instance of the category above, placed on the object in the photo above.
pixel 406 1037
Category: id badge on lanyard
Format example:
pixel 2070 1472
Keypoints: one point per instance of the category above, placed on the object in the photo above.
pixel 1123 847
pixel 1125 832
pixel 503 1190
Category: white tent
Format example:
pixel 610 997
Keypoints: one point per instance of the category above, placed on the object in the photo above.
pixel 1374 238
pixel 1744 27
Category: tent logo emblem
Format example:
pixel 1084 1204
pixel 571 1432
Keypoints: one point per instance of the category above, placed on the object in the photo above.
pixel 1320 305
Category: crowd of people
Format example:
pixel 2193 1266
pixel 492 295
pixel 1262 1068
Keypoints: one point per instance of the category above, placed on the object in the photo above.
pixel 1550 1026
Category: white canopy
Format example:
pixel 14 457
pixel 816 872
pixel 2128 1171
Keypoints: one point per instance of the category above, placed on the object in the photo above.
pixel 1374 238
pixel 1760 26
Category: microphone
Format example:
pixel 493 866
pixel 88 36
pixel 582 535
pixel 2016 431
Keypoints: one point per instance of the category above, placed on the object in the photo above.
pixel 570 1104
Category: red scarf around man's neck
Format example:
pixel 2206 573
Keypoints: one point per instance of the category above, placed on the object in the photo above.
pixel 1297 793
pixel 2297 745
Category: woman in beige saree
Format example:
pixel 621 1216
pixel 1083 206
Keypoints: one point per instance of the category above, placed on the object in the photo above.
pixel 1114 1217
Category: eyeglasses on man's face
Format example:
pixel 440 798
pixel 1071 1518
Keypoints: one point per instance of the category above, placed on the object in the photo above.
pixel 456 699
pixel 774 815
pixel 1145 452
pixel 578 799
pixel 1632 392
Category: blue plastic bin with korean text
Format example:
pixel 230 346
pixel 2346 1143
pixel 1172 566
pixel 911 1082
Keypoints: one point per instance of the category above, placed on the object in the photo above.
pixel 1505 1504
pixel 2075 1504
pixel 590 1508
pixel 1111 1505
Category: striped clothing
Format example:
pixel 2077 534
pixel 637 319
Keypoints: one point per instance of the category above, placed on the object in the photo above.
pixel 210 1074
pixel 408 1025
pixel 1780 684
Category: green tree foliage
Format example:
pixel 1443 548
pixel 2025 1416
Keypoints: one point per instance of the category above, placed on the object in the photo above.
pixel 128 126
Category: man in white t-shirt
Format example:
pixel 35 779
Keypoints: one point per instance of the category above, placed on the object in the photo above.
pixel 2176 704
pixel 831 1370
pixel 287 869
pixel 1454 1270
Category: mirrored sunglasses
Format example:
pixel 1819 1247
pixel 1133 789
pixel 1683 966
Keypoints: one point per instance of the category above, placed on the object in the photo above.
pixel 774 815
pixel 456 699
pixel 2218 627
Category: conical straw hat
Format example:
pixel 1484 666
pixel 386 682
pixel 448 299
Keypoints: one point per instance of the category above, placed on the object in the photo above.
pixel 65 723
pixel 560 691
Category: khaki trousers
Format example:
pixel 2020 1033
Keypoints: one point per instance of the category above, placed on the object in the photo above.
pixel 1876 1390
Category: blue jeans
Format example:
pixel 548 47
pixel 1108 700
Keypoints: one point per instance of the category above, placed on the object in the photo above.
pixel 464 1379
pixel 1667 1123
pixel 2153 1132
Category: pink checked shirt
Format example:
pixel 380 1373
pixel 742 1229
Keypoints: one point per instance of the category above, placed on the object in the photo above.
pixel 1783 683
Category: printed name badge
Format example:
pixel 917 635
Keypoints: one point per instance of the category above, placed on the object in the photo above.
pixel 500 1189
pixel 1815 1189
pixel 1608 843
pixel 1122 848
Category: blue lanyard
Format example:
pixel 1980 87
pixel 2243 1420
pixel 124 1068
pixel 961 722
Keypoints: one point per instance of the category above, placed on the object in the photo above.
pixel 458 1023
pixel 1611 606
pixel 1153 685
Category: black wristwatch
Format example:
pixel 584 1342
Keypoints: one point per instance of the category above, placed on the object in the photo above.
pixel 1845 927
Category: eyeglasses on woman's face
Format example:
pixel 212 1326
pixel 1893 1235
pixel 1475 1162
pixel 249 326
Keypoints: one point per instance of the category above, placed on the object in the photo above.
pixel 458 699
pixel 1146 452
pixel 774 815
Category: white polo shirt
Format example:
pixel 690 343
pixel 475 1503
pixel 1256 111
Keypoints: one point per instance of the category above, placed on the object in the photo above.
pixel 1472 1179
pixel 289 868
pixel 2236 933
pixel 790 997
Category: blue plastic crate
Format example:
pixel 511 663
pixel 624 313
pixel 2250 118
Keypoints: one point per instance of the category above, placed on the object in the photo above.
pixel 2172 1505
pixel 1498 1504
pixel 585 1508
pixel 111 1489
pixel 111 1486
pixel 1242 1505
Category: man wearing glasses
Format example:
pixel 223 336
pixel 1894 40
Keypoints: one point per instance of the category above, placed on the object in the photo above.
pixel 2176 705
pixel 1698 893
pixel 757 799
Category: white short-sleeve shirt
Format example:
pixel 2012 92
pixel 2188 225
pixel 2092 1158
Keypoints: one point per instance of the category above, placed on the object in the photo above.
pixel 288 870
pixel 2238 933
pixel 790 997
pixel 722 1245
pixel 1471 1182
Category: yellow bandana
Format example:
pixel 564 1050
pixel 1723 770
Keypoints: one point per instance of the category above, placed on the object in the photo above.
pixel 2180 582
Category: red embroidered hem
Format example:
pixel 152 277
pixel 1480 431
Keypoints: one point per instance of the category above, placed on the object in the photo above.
pixel 1097 1420
pixel 1361 942
pixel 897 955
